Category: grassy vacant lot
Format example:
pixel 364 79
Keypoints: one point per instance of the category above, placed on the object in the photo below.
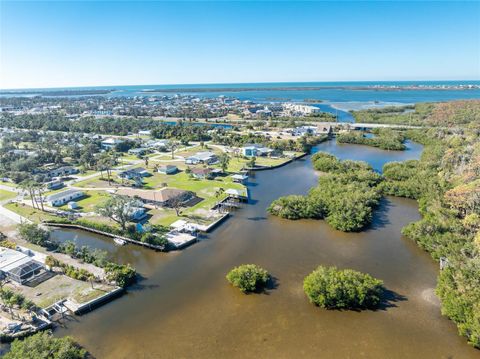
pixel 4 195
pixel 29 212
pixel 63 287
pixel 88 203
pixel 99 182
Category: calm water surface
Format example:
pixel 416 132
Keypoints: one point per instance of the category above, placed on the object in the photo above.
pixel 185 308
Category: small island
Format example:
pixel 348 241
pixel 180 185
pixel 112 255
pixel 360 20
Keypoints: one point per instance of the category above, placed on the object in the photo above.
pixel 332 288
pixel 248 277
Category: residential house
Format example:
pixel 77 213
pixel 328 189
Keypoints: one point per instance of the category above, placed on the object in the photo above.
pixel 54 185
pixel 168 169
pixel 160 145
pixel 164 197
pixel 134 173
pixel 137 214
pixel 304 130
pixel 110 143
pixel 138 151
pixel 202 173
pixel 18 266
pixel 61 198
pixel 202 157
pixel 62 171
pixel 255 151
pixel 239 178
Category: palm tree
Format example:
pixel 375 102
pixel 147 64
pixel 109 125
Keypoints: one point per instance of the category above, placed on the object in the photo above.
pixel 91 278
pixel 28 185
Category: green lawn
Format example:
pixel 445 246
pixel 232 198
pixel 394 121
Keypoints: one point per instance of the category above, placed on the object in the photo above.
pixel 29 212
pixel 98 182
pixel 86 173
pixel 4 195
pixel 205 189
pixel 9 184
pixel 183 181
pixel 88 203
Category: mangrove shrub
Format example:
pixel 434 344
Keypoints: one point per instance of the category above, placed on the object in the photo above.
pixel 248 277
pixel 332 288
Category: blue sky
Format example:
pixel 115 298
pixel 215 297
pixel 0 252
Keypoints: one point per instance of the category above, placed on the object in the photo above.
pixel 56 44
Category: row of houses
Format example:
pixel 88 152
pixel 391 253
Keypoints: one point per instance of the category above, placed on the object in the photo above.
pixel 160 145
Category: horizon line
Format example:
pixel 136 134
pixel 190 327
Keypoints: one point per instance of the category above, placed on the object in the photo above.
pixel 229 83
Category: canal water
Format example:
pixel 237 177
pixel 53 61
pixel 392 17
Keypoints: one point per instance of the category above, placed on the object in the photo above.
pixel 184 308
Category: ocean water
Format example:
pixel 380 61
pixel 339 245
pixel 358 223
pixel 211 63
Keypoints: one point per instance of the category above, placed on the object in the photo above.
pixel 327 92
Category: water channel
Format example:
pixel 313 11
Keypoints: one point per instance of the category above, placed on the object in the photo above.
pixel 184 308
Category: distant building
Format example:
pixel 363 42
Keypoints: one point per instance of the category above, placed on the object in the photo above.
pixel 61 198
pixel 161 145
pixel 62 171
pixel 239 178
pixel 54 185
pixel 163 197
pixel 110 143
pixel 255 151
pixel 168 169
pixel 137 214
pixel 300 109
pixel 138 151
pixel 202 157
pixel 202 173
pixel 134 173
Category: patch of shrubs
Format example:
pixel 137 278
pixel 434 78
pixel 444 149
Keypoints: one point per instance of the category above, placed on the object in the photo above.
pixel 248 277
pixel 332 288
pixel 345 196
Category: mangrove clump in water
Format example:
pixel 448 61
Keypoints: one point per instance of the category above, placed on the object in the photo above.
pixel 345 196
pixel 248 277
pixel 332 288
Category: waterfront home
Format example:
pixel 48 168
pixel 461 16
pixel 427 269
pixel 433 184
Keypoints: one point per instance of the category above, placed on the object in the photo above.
pixel 304 130
pixel 168 169
pixel 137 214
pixel 324 130
pixel 110 143
pixel 236 193
pixel 144 132
pixel 164 197
pixel 18 266
pixel 202 157
pixel 239 178
pixel 255 151
pixel 134 173
pixel 297 109
pixel 202 173
pixel 61 198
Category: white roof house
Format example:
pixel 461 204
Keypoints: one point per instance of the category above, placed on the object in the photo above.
pixel 111 142
pixel 61 198
pixel 240 178
pixel 202 157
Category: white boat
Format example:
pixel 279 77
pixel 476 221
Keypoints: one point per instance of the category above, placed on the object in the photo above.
pixel 119 241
